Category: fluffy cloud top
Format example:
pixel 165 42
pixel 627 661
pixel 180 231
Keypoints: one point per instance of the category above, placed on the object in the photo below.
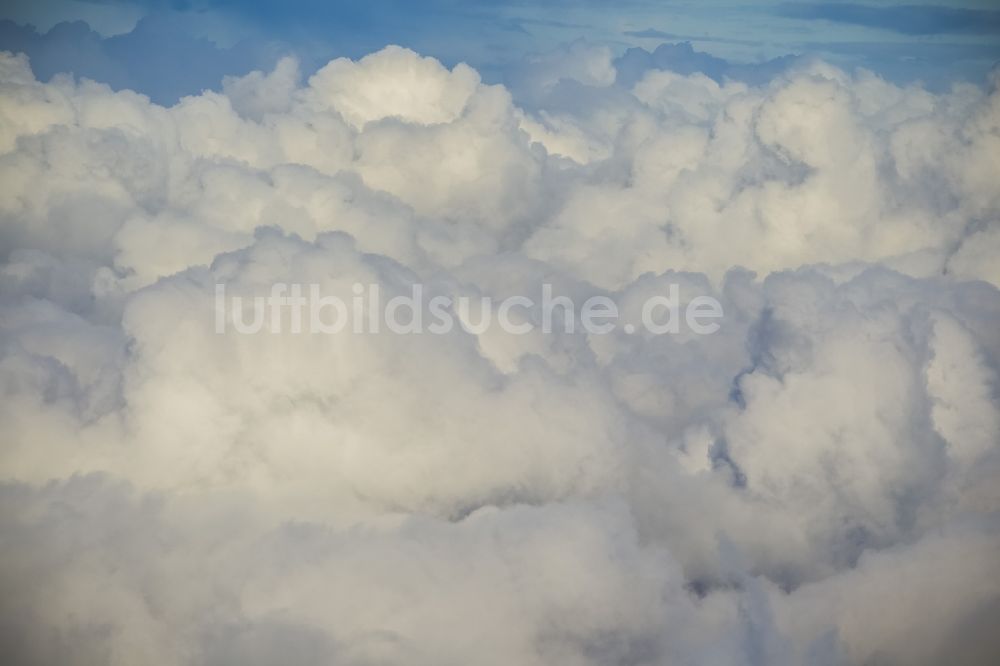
pixel 816 483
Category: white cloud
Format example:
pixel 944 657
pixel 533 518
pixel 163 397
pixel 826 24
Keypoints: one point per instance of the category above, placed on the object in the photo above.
pixel 393 83
pixel 815 483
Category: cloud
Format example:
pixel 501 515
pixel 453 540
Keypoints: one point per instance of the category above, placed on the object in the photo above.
pixel 684 59
pixel 649 33
pixel 905 19
pixel 173 495
pixel 158 57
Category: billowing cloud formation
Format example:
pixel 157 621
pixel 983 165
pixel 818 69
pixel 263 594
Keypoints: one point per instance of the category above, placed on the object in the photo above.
pixel 816 483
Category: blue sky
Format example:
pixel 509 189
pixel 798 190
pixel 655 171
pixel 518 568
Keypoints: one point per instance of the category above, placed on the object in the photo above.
pixel 168 49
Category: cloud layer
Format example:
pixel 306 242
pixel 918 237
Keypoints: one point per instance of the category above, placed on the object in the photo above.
pixel 816 483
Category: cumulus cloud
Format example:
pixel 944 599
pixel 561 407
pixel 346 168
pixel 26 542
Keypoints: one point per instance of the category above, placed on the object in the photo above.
pixel 814 483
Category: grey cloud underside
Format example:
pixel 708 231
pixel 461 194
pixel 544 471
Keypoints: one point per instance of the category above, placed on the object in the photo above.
pixel 816 483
